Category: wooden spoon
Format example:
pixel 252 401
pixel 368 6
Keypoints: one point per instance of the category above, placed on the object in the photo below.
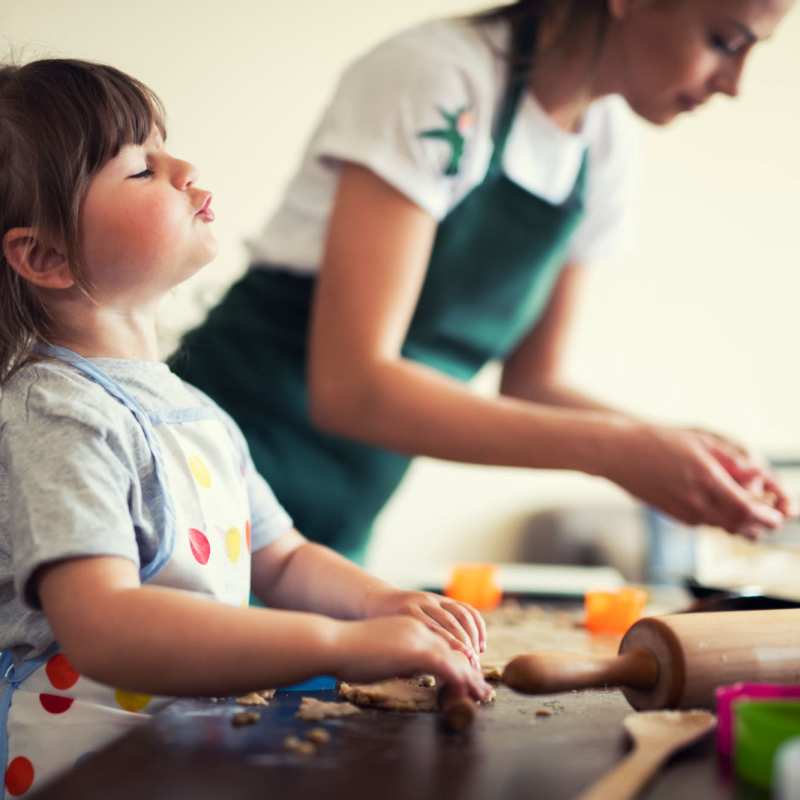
pixel 656 736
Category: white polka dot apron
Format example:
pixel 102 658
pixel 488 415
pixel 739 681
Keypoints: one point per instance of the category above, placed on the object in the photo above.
pixel 50 715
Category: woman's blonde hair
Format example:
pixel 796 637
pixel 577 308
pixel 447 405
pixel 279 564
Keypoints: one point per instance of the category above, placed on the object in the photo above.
pixel 61 120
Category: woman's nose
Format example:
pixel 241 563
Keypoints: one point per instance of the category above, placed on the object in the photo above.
pixel 728 79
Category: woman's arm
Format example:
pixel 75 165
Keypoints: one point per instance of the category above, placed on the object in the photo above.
pixel 532 371
pixel 378 247
pixel 379 244
pixel 166 641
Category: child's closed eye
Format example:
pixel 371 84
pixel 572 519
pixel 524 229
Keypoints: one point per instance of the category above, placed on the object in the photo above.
pixel 145 173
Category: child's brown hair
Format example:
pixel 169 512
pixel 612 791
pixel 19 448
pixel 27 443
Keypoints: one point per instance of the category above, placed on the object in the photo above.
pixel 61 120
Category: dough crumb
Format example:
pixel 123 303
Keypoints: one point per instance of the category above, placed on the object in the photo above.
pixel 318 736
pixel 241 718
pixel 295 745
pixel 253 699
pixel 312 709
pixel 427 681
pixel 492 674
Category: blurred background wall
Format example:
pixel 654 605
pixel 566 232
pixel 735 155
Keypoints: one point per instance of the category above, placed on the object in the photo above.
pixel 696 324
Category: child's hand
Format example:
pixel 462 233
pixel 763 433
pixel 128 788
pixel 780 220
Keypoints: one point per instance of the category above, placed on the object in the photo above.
pixel 457 623
pixel 389 647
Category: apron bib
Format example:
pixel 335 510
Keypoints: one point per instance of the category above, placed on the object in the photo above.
pixel 50 715
pixel 494 263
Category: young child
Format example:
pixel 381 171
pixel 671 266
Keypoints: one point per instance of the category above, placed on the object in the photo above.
pixel 132 520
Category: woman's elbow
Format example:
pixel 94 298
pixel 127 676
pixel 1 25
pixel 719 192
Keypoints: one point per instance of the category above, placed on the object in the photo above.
pixel 333 405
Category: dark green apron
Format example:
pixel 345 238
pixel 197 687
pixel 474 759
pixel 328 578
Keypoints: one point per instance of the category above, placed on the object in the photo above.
pixel 494 263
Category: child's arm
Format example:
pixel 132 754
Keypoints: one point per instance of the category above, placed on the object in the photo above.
pixel 294 573
pixel 166 641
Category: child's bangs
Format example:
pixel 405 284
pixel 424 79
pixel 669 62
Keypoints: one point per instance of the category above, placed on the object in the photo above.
pixel 120 111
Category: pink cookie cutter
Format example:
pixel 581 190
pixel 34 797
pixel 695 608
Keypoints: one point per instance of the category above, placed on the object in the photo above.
pixel 726 695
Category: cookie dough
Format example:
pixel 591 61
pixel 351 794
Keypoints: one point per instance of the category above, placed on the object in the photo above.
pixel 397 694
pixel 260 698
pixel 312 709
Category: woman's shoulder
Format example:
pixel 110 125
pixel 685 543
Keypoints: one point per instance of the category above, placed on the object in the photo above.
pixel 435 46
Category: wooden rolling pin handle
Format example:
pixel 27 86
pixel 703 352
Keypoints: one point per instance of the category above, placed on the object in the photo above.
pixel 551 673
pixel 458 710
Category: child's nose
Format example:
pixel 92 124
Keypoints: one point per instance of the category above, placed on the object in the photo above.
pixel 184 174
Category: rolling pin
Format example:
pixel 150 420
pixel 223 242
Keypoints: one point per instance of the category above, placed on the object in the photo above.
pixel 675 661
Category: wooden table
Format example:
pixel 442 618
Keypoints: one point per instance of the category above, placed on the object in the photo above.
pixel 191 750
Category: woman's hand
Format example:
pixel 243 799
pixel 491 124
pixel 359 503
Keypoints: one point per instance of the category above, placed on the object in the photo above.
pixel 388 647
pixel 750 470
pixel 459 624
pixel 698 478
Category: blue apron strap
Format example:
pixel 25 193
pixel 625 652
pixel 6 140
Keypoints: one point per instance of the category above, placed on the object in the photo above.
pixel 93 373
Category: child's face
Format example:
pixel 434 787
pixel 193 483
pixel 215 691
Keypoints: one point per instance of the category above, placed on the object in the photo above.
pixel 145 226
pixel 676 54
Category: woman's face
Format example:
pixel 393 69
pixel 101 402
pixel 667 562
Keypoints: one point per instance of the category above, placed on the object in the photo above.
pixel 671 56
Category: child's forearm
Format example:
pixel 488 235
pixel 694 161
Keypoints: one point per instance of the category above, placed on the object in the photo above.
pixel 314 578
pixel 181 644
pixel 166 641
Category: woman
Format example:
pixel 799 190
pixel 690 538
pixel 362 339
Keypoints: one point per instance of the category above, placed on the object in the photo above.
pixel 463 176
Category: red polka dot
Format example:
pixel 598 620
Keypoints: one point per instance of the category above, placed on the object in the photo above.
pixel 54 703
pixel 247 531
pixel 201 548
pixel 61 673
pixel 19 776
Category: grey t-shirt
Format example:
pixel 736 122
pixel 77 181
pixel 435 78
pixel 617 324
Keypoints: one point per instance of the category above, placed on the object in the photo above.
pixel 77 479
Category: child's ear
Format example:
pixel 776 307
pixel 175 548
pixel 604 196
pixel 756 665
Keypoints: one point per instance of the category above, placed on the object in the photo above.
pixel 35 260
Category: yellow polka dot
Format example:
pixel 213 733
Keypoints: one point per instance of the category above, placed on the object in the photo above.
pixel 200 471
pixel 131 701
pixel 233 544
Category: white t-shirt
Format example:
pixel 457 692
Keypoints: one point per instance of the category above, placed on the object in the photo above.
pixel 403 88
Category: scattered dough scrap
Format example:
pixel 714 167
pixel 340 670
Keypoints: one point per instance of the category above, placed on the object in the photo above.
pixel 312 709
pixel 295 745
pixel 318 736
pixel 256 698
pixel 426 681
pixel 245 718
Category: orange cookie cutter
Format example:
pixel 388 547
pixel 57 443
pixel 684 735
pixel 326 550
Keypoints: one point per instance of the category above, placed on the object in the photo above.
pixel 614 612
pixel 475 584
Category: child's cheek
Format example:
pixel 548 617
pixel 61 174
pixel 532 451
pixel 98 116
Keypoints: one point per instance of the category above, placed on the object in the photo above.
pixel 156 233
